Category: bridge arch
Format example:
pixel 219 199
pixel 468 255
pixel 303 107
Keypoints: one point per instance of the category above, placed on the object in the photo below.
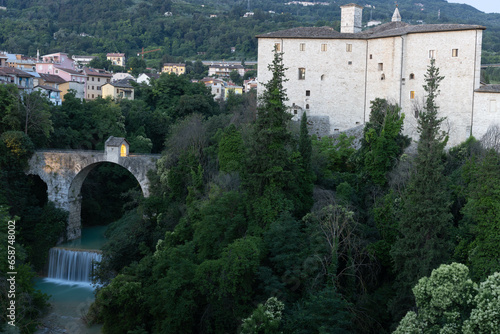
pixel 65 171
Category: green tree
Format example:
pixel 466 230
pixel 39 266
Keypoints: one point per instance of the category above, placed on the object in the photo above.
pixel 265 319
pixel 483 209
pixel 425 227
pixel 448 301
pixel 268 170
pixel 383 141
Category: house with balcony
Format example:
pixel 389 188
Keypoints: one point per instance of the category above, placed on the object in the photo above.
pixel 118 90
pixel 95 79
pixel 117 59
pixel 21 62
pixel 50 62
pixel 224 69
pixel 174 68
pixel 22 79
pixel 216 87
pixel 53 94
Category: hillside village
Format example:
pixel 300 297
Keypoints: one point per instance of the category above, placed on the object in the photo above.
pixel 54 75
pixel 215 204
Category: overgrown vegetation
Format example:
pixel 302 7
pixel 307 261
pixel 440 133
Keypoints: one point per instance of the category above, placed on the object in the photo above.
pixel 253 226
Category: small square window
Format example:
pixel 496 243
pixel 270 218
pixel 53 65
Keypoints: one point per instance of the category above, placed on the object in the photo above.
pixel 454 53
pixel 371 56
pixel 323 47
pixel 349 63
pixel 380 66
pixel 432 54
pixel 348 47
pixel 412 76
pixel 295 111
pixel 412 95
pixel 302 73
pixel 302 46
pixel 308 93
pixel 277 47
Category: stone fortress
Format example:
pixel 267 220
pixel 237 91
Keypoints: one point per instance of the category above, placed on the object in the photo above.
pixel 334 76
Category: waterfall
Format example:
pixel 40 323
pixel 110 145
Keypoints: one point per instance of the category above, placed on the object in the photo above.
pixel 72 265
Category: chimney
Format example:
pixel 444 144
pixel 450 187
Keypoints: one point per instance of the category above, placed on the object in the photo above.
pixel 351 17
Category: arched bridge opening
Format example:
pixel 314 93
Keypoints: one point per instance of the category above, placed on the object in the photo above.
pixel 65 171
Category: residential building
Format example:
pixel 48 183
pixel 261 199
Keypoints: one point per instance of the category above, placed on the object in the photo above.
pixel 47 80
pixel 3 59
pixel 117 59
pixel 21 62
pixel 334 76
pixel 83 60
pixel 216 87
pixel 121 76
pixel 174 68
pixel 231 88
pixel 77 87
pixel 118 90
pixel 250 84
pixel 51 61
pixel 224 69
pixel 23 80
pixel 52 93
pixel 95 79
pixel 146 77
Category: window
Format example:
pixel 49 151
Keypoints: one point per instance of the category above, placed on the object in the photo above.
pixel 123 150
pixel 277 47
pixel 432 54
pixel 92 95
pixel 412 94
pixel 371 56
pixel 382 77
pixel 348 47
pixel 307 106
pixel 454 52
pixel 302 46
pixel 349 63
pixel 302 73
pixel 98 87
pixel 295 111
pixel 308 93
pixel 412 76
pixel 92 87
pixel 323 47
pixel 98 79
pixel 92 78
pixel 322 77
pixel 380 66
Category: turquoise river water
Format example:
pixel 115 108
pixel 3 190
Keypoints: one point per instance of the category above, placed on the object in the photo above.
pixel 71 300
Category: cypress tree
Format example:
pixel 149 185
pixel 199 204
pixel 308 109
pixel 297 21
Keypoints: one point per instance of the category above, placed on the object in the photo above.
pixel 425 223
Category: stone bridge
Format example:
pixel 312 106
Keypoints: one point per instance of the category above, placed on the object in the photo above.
pixel 65 171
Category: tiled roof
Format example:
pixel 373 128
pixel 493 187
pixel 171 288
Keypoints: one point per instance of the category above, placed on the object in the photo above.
pixel 68 70
pixel 390 29
pixel 122 83
pixel 14 71
pixel 96 72
pixel 489 89
pixel 115 55
pixel 51 78
pixel 48 88
pixel 115 141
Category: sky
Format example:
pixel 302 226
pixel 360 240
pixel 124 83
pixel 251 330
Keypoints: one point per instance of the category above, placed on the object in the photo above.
pixel 487 6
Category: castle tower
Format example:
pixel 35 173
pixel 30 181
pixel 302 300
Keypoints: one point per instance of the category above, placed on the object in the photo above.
pixel 351 18
pixel 396 17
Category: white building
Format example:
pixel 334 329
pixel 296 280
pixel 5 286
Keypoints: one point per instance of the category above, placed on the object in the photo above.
pixel 334 76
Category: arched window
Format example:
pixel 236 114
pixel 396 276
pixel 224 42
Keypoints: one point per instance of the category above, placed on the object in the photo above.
pixel 412 76
pixel 382 77
pixel 123 150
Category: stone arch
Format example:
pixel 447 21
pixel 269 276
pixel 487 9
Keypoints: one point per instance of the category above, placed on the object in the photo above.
pixel 75 198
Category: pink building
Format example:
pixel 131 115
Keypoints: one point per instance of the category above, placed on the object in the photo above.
pixel 49 62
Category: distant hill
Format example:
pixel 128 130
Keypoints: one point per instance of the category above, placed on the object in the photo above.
pixel 188 32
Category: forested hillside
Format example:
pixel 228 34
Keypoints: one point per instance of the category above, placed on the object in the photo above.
pixel 100 26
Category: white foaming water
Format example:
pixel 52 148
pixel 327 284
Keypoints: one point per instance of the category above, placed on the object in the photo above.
pixel 72 266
